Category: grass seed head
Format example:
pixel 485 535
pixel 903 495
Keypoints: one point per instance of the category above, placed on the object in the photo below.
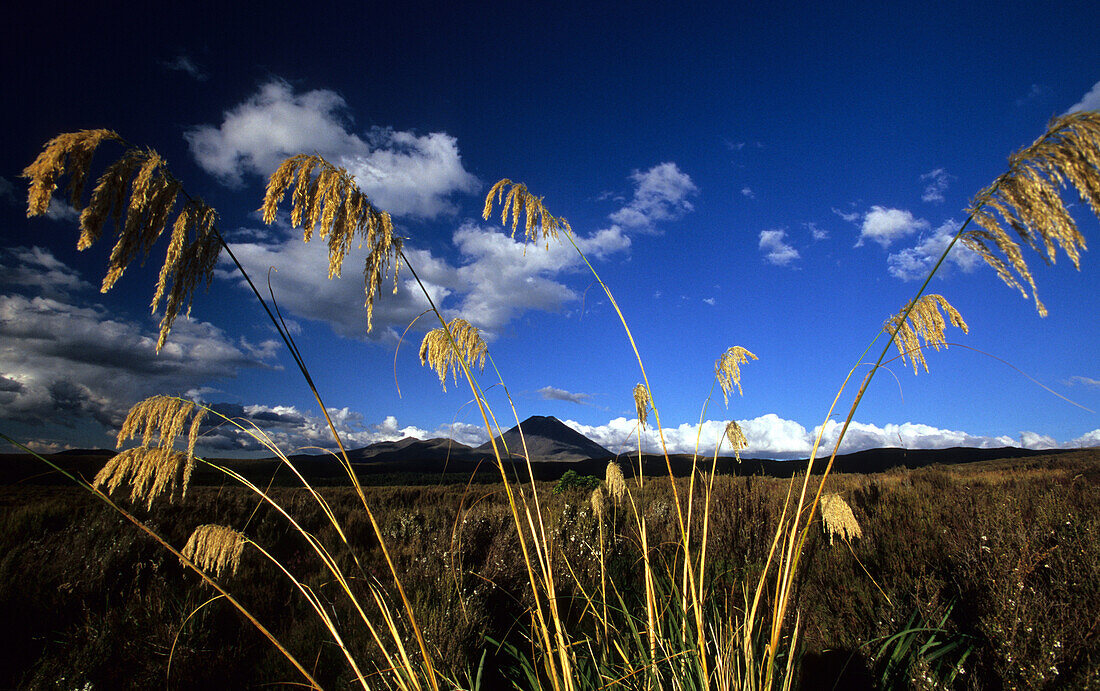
pixel 599 503
pixel 728 369
pixel 326 195
pixel 924 322
pixel 736 437
pixel 837 518
pixel 437 352
pixel 1027 199
pixel 66 153
pixel 142 218
pixel 154 467
pixel 540 225
pixel 642 403
pixel 616 483
pixel 215 547
pixel 150 472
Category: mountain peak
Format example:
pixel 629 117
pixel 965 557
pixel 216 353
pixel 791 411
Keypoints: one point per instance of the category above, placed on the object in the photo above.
pixel 549 439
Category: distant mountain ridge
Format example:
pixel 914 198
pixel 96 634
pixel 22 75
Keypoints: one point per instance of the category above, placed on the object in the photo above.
pixel 555 448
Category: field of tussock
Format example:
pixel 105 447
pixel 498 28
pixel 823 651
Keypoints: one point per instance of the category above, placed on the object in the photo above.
pixel 1004 554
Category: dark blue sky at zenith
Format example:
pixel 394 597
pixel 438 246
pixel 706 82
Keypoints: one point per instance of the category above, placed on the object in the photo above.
pixel 777 176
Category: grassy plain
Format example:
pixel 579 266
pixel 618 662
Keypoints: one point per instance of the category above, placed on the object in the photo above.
pixel 1002 556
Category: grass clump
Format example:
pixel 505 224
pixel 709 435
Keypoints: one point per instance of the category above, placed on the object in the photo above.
pixel 660 587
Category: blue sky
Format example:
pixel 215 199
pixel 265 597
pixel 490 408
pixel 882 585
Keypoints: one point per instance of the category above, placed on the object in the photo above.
pixel 771 177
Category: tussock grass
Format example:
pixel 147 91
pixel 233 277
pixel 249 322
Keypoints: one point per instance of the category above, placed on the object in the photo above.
pixel 654 598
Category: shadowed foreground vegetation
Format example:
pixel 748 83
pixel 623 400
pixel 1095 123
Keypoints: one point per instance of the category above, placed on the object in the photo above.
pixel 1001 556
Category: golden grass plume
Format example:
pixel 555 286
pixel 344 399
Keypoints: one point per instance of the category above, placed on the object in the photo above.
pixel 1027 199
pixel 642 403
pixel 150 473
pixel 215 547
pixel 327 195
pixel 69 152
pixel 436 351
pixel 728 369
pixel 925 322
pixel 616 483
pixel 736 437
pixel 540 225
pixel 141 220
pixel 599 503
pixel 837 518
pixel 152 470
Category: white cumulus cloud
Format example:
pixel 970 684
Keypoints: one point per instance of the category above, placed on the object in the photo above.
pixel 1086 440
pixel 915 262
pixel 496 276
pixel 183 63
pixel 660 194
pixel 402 172
pixel 771 436
pixel 884 226
pixel 776 249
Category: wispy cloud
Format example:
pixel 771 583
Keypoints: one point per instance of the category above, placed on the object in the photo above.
pixel 776 249
pixel 884 226
pixel 849 216
pixel 938 181
pixel 1078 380
pixel 815 232
pixel 1035 92
pixel 748 193
pixel 915 262
pixel 551 393
pixel 660 194
pixel 402 172
pixel 183 63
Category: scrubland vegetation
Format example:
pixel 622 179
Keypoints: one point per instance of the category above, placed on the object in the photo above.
pixel 1008 550
pixel 961 578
